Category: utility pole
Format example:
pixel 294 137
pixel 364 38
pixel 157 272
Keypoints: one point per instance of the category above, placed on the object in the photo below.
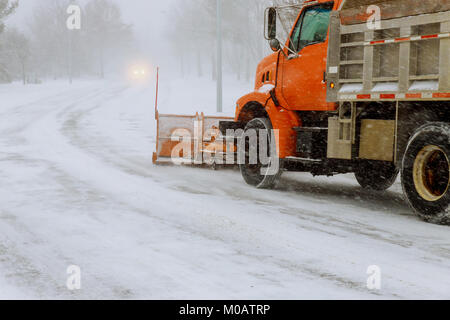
pixel 219 58
pixel 70 56
pixel 73 23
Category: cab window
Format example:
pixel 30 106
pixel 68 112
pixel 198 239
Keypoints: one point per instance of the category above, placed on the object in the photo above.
pixel 311 28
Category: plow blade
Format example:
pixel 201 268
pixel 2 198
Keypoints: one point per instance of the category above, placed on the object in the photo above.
pixel 189 140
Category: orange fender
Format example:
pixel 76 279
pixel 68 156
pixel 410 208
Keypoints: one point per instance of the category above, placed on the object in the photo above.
pixel 282 119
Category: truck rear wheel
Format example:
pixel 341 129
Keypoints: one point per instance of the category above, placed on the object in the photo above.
pixel 426 173
pixel 375 176
pixel 260 175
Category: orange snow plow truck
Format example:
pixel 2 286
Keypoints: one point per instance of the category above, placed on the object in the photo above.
pixel 360 86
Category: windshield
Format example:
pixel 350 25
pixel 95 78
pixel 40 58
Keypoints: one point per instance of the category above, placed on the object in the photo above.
pixel 287 17
pixel 311 28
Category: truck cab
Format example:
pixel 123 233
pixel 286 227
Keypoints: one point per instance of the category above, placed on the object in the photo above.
pixel 299 67
pixel 302 66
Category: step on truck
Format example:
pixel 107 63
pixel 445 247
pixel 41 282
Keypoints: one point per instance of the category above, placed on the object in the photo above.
pixel 360 86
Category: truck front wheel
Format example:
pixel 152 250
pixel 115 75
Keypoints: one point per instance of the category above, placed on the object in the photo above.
pixel 426 173
pixel 259 162
pixel 376 176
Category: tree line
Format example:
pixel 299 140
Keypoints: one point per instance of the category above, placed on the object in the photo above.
pixel 47 49
pixel 193 34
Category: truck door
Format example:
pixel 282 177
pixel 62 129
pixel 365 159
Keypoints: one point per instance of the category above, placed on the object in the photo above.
pixel 303 75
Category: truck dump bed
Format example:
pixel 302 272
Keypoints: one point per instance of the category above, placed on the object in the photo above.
pixel 355 11
pixel 408 58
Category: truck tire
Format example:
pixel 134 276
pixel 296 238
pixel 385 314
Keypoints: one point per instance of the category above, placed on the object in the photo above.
pixel 377 177
pixel 253 173
pixel 426 173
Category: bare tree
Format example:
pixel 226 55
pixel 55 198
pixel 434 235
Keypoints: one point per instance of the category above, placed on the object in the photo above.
pixel 193 32
pixel 17 52
pixel 105 31
pixel 50 37
pixel 7 7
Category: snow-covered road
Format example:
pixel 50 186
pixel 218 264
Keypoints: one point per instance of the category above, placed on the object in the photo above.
pixel 77 187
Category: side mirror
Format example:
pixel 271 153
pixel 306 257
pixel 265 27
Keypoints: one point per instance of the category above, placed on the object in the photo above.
pixel 271 19
pixel 275 45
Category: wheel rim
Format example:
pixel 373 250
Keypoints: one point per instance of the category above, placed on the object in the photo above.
pixel 431 173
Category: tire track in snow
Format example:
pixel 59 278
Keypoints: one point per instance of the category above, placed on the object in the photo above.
pixel 355 227
pixel 73 130
pixel 269 236
pixel 13 257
